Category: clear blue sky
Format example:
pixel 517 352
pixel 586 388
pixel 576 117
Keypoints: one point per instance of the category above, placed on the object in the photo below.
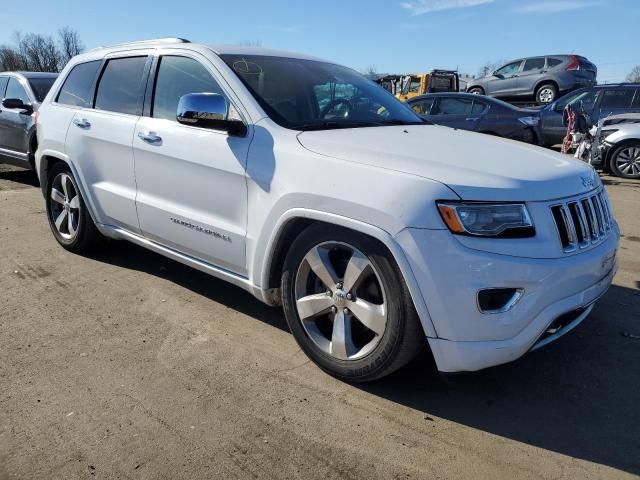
pixel 394 35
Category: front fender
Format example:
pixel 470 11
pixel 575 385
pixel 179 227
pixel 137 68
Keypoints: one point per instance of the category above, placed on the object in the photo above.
pixel 262 261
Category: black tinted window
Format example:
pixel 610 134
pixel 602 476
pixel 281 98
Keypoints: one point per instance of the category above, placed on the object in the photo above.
pixel 478 107
pixel 553 62
pixel 41 86
pixel 636 100
pixel 617 98
pixel 178 76
pixel 455 106
pixel 3 85
pixel 15 90
pixel 121 86
pixel 533 64
pixel 77 87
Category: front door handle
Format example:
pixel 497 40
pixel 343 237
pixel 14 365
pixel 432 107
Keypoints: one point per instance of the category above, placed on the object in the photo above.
pixel 150 137
pixel 82 123
pixel 472 119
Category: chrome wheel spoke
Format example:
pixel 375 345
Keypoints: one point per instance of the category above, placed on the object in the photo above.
pixel 63 183
pixel 75 202
pixel 57 196
pixel 318 260
pixel 341 342
pixel 357 265
pixel 372 316
pixel 60 220
pixel 70 228
pixel 313 305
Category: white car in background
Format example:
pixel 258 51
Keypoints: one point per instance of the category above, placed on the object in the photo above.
pixel 309 186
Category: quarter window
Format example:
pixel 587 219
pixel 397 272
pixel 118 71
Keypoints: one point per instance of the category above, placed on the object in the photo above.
pixel 533 64
pixel 617 98
pixel 76 90
pixel 178 76
pixel 121 86
pixel 15 90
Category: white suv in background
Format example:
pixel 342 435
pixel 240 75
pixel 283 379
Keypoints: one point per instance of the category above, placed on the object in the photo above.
pixel 309 186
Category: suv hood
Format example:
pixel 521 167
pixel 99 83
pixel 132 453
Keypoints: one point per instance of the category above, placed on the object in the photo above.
pixel 476 166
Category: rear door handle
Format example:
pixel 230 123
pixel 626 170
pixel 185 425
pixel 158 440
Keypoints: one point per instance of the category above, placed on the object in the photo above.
pixel 82 123
pixel 150 137
pixel 472 119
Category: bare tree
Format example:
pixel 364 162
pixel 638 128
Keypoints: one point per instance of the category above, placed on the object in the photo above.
pixel 40 53
pixel 370 71
pixel 634 75
pixel 70 45
pixel 489 67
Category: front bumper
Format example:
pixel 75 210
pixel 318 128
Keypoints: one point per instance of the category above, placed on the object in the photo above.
pixel 450 275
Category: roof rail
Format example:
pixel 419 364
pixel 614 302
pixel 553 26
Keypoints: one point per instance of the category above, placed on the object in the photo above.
pixel 166 40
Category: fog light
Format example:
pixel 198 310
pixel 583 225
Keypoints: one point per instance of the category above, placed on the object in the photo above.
pixel 498 300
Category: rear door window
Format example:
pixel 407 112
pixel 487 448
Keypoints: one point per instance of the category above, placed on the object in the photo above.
pixel 15 90
pixel 533 64
pixel 121 87
pixel 76 90
pixel 455 106
pixel 620 98
pixel 553 62
pixel 478 107
pixel 3 85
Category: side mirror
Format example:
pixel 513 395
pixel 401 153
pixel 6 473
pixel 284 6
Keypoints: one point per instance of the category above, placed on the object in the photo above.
pixel 16 103
pixel 498 75
pixel 208 110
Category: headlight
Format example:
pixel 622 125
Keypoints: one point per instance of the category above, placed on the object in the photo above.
pixel 530 121
pixel 487 219
pixel 605 133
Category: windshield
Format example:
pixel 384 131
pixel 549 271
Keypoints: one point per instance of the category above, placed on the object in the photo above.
pixel 41 87
pixel 307 94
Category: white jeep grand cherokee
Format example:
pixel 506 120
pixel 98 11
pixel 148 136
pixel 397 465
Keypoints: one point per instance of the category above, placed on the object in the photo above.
pixel 309 186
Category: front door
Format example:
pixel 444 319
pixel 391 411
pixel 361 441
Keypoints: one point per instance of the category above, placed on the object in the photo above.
pixel 192 190
pixel 504 81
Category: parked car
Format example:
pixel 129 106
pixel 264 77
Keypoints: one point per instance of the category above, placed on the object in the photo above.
pixel 620 150
pixel 21 94
pixel 478 114
pixel 598 102
pixel 378 232
pixel 541 79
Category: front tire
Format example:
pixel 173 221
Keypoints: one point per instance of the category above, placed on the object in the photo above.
pixel 69 219
pixel 347 305
pixel 476 91
pixel 625 160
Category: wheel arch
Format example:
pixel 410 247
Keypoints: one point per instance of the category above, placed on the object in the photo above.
pixel 546 81
pixel 294 221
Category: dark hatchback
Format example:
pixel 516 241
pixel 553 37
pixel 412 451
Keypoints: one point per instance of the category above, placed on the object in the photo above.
pixel 598 102
pixel 478 114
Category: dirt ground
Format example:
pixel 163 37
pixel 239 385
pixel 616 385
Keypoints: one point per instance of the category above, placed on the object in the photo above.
pixel 128 365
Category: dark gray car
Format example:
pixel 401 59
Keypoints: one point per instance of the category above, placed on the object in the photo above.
pixel 478 114
pixel 542 79
pixel 21 94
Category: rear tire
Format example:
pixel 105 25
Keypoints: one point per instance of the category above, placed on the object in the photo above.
pixel 476 91
pixel 347 305
pixel 625 160
pixel 546 93
pixel 69 219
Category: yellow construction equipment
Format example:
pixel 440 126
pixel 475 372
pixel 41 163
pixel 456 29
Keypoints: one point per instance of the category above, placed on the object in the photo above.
pixel 405 87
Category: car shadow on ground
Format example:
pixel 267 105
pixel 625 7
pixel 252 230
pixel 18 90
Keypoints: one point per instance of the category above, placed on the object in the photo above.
pixel 20 177
pixel 578 396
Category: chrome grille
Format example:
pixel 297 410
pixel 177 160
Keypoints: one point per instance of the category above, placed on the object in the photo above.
pixel 582 222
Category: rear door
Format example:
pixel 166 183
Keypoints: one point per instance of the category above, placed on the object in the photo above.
pixel 456 112
pixel 100 139
pixel 532 70
pixel 14 122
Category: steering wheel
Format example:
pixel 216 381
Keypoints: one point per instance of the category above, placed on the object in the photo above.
pixel 333 104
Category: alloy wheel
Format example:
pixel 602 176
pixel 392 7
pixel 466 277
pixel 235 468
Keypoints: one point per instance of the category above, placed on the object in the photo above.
pixel 546 95
pixel 628 161
pixel 65 206
pixel 341 300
